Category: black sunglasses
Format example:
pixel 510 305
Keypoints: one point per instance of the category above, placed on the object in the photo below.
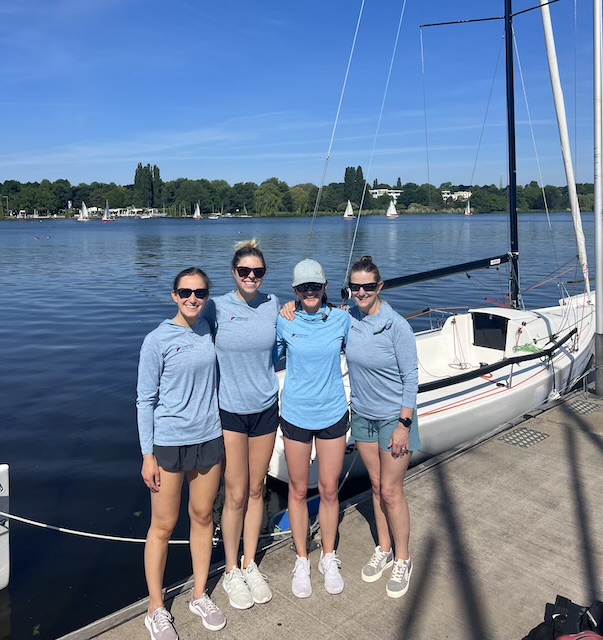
pixel 245 272
pixel 308 286
pixel 200 294
pixel 369 286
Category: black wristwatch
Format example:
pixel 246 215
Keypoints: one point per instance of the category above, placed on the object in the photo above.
pixel 407 422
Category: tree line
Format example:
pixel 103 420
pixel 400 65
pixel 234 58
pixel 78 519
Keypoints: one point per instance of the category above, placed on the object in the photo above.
pixel 273 197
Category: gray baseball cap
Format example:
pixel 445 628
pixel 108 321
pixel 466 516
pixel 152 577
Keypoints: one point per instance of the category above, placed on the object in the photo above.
pixel 308 271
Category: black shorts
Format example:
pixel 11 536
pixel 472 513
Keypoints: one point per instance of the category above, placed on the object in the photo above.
pixel 298 434
pixel 252 424
pixel 190 457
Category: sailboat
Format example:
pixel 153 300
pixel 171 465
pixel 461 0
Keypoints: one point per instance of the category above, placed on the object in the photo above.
pixel 197 214
pixel 107 217
pixel 84 215
pixel 489 366
pixel 391 212
pixel 348 214
pixel 468 211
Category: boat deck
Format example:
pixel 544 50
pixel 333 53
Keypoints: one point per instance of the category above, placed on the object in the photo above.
pixel 498 530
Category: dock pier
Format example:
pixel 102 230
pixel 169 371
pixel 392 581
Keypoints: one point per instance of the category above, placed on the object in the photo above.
pixel 498 529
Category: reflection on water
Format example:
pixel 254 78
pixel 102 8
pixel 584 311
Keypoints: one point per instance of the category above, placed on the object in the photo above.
pixel 77 301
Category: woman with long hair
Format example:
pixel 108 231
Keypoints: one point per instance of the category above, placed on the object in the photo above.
pixel 244 326
pixel 180 435
pixel 382 362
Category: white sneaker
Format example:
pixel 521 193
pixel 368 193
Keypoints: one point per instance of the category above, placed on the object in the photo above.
pixel 329 565
pixel 379 562
pixel 256 582
pixel 161 625
pixel 301 585
pixel 238 592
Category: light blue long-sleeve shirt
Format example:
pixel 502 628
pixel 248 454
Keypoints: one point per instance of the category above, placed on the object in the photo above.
pixel 382 361
pixel 176 399
pixel 245 339
pixel 313 396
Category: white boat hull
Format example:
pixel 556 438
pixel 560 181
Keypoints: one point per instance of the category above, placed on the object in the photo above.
pixel 4 524
pixel 456 414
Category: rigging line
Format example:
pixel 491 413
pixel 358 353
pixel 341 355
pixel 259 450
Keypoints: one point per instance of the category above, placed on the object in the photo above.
pixel 343 88
pixel 385 92
pixel 426 124
pixel 481 136
pixel 525 98
pixel 576 84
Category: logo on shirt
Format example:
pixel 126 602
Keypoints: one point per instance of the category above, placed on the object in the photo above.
pixel 299 335
pixel 238 319
pixel 184 347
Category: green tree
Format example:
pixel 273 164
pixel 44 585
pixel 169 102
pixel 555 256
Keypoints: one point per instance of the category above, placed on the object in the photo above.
pixel 242 196
pixel 332 196
pixel 157 187
pixel 220 190
pixel 143 186
pixel 268 199
pixel 299 198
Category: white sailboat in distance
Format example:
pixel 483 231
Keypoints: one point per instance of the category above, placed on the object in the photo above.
pixel 107 217
pixel 84 215
pixel 348 214
pixel 197 214
pixel 391 212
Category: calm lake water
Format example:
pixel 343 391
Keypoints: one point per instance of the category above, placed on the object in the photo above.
pixel 77 300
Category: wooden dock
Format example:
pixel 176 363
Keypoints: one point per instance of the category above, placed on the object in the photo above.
pixel 498 530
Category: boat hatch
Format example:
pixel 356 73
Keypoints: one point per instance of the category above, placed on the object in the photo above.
pixel 489 330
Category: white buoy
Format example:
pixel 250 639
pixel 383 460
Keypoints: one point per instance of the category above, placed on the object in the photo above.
pixel 4 524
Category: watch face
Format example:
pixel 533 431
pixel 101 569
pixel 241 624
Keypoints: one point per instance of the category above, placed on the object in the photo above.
pixel 406 422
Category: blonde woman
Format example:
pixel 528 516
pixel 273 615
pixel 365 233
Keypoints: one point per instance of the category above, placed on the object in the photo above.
pixel 244 326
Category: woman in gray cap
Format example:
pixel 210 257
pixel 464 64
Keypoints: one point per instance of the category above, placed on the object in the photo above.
pixel 314 408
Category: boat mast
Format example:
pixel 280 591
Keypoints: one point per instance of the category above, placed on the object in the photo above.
pixel 598 51
pixel 514 235
pixel 551 55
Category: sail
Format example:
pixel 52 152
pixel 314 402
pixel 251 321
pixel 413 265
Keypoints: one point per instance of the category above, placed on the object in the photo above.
pixel 349 211
pixel 551 54
pixel 391 210
pixel 197 214
pixel 107 213
pixel 84 215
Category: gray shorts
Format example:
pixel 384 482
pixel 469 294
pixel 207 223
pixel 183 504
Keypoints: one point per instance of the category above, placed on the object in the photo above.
pixel 190 457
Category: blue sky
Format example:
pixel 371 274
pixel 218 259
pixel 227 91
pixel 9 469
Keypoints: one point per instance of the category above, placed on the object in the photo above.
pixel 242 91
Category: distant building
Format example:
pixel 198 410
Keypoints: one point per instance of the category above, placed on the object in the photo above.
pixel 463 196
pixel 394 194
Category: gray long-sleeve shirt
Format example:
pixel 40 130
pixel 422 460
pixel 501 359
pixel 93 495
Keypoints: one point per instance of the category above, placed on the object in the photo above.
pixel 176 400
pixel 382 360
pixel 245 338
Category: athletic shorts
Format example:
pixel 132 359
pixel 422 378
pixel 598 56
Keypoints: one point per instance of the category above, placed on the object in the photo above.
pixel 190 457
pixel 298 434
pixel 365 430
pixel 252 424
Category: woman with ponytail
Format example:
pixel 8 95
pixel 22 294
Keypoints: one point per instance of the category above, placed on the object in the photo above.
pixel 382 362
pixel 244 327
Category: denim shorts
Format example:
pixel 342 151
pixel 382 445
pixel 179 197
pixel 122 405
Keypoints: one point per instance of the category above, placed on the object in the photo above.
pixel 365 430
